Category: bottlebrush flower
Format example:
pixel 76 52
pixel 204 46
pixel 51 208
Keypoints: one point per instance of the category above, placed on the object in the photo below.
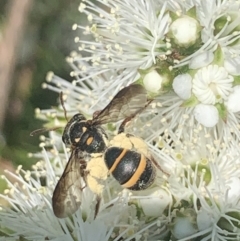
pixel 186 55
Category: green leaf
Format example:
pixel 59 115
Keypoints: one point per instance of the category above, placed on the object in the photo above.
pixel 222 111
pixel 218 57
pixel 236 80
pixel 192 101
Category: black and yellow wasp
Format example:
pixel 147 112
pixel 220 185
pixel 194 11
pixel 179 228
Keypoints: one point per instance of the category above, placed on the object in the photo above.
pixel 88 136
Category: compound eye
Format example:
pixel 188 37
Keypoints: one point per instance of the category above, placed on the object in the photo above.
pixel 76 132
pixel 72 135
pixel 66 139
pixel 72 129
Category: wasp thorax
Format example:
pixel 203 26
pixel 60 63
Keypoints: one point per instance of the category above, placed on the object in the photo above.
pixel 93 140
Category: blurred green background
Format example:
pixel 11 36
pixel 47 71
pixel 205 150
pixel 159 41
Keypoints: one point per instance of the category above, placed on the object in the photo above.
pixel 41 44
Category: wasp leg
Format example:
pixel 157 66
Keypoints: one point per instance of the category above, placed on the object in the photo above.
pixel 84 172
pixel 123 124
pixel 42 130
pixel 97 206
pixel 158 166
pixel 125 121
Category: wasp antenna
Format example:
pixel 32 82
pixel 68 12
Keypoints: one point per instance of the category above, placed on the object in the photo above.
pixel 63 106
pixel 38 131
pixel 42 130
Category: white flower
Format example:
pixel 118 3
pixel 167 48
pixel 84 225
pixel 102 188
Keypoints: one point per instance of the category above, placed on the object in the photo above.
pixel 81 96
pixel 204 220
pixel 186 55
pixel 154 201
pixel 152 37
pixel 201 60
pixel 184 227
pixel 152 81
pixel 234 188
pixel 207 115
pixel 212 84
pixel 215 199
pixel 231 64
pixel 126 36
pixel 216 219
pixel 182 85
pixel 185 31
pixel 31 215
pixel 234 100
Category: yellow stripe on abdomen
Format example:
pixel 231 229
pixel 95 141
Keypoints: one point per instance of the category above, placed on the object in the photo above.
pixel 135 177
pixel 113 167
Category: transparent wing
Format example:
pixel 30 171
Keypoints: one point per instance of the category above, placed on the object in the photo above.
pixel 126 103
pixel 68 192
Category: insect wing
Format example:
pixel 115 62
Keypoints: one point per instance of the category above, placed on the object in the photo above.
pixel 126 103
pixel 68 192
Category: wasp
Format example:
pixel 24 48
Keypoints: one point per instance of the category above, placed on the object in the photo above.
pixel 86 137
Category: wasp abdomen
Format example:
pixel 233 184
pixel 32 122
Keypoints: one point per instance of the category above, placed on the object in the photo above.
pixel 131 169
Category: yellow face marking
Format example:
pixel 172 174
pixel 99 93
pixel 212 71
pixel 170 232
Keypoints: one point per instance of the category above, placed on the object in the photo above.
pixel 133 180
pixel 84 129
pixel 89 140
pixel 77 140
pixel 118 160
